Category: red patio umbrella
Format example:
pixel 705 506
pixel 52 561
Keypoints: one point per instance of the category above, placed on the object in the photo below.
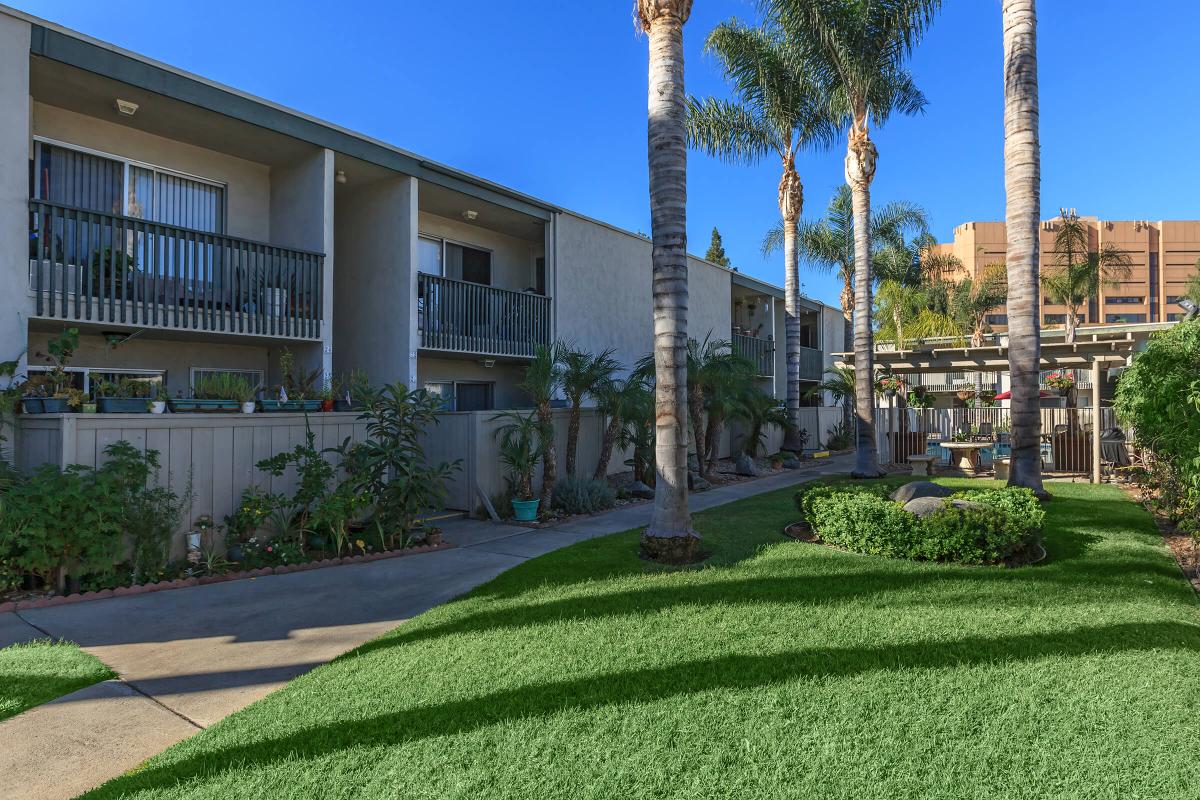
pixel 1008 395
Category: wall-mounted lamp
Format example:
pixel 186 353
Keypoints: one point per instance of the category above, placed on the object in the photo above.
pixel 126 107
pixel 340 176
pixel 469 215
pixel 488 363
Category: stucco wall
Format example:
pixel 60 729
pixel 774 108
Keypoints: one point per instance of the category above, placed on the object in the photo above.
pixel 603 294
pixel 14 186
pixel 513 259
pixel 504 376
pixel 375 284
pixel 248 196
pixel 143 352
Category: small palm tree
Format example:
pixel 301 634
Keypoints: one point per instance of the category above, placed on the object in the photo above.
pixel 759 411
pixel 973 299
pixel 582 374
pixel 523 440
pixel 543 378
pixel 716 376
pixel 670 535
pixel 1022 188
pixel 860 48
pixel 839 382
pixel 1079 273
pixel 620 400
pixel 781 109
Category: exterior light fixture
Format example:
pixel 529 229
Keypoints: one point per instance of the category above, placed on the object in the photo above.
pixel 469 215
pixel 488 363
pixel 340 176
pixel 126 108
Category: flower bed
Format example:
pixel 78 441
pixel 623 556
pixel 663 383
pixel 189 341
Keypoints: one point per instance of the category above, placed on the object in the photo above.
pixel 182 583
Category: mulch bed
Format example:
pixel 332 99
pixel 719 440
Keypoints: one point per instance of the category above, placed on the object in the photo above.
pixel 1178 542
pixel 43 601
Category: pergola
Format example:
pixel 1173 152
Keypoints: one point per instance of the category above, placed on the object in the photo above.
pixel 1094 350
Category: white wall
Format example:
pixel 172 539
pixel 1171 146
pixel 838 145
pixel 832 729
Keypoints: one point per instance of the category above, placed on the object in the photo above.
pixel 248 196
pixel 14 186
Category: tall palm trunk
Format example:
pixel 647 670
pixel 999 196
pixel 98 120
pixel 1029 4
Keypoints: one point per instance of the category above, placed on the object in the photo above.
pixel 1022 185
pixel 606 447
pixel 545 416
pixel 670 536
pixel 860 170
pixel 791 204
pixel 1071 325
pixel 695 403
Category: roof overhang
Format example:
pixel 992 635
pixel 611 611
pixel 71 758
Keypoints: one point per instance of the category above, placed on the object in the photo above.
pixel 1054 355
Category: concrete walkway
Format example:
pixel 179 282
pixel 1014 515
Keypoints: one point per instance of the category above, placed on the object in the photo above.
pixel 187 658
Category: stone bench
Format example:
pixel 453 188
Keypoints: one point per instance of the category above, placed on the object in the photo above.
pixel 922 465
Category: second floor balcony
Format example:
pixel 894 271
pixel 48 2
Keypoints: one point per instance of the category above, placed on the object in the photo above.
pixel 464 317
pixel 107 268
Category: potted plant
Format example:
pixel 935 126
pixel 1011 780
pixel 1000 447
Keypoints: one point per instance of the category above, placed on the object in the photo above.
pixel 964 392
pixel 328 393
pixel 297 392
pixel 889 385
pixel 352 389
pixel 218 392
pixel 919 398
pixel 128 396
pixel 159 404
pixel 1062 382
pixel 49 393
pixel 523 441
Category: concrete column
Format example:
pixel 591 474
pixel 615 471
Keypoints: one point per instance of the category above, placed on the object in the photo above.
pixel 1096 371
pixel 376 282
pixel 14 191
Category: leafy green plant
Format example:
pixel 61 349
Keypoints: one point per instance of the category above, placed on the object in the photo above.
pixel 298 383
pixel 583 496
pixel 223 386
pixel 838 437
pixel 336 512
pixel 59 352
pixel 127 388
pixel 523 441
pixel 251 514
pixel 152 512
pixel 314 475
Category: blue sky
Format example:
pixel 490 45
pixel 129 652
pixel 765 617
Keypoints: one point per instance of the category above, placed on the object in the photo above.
pixel 548 97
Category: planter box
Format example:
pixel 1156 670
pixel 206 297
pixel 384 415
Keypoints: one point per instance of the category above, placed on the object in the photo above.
pixel 44 405
pixel 123 405
pixel 181 405
pixel 294 406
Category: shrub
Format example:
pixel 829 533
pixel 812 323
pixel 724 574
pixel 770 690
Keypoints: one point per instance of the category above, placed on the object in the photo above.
pixel 838 437
pixel 866 521
pixel 583 495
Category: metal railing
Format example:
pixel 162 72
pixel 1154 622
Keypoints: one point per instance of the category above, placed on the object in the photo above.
pixel 463 317
pixel 953 381
pixel 91 267
pixel 759 352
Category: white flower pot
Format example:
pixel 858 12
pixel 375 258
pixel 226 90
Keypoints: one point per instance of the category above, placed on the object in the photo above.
pixel 158 406
pixel 248 407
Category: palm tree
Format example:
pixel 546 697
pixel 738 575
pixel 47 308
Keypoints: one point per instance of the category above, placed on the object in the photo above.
pixel 543 377
pixel 860 48
pixel 716 375
pixel 1078 272
pixel 670 535
pixel 759 410
pixel 523 439
pixel 1022 186
pixel 839 382
pixel 582 374
pixel 620 400
pixel 828 244
pixel 973 299
pixel 780 109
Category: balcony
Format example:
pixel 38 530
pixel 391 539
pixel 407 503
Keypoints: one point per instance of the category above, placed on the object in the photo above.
pixel 105 268
pixel 462 317
pixel 759 352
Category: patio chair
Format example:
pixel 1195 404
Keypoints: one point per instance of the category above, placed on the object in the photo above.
pixel 985 434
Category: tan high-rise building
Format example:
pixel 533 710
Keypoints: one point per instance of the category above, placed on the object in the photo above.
pixel 1163 256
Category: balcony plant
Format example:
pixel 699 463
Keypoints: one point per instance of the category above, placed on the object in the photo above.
pixel 219 392
pixel 127 396
pixel 523 439
pixel 919 398
pixel 1062 382
pixel 888 385
pixel 297 392
pixel 50 392
pixel 159 404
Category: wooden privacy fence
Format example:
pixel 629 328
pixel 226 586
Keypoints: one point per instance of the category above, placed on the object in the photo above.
pixel 1066 439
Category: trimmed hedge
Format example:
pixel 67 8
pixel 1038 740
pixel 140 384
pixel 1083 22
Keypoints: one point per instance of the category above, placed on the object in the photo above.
pixel 866 521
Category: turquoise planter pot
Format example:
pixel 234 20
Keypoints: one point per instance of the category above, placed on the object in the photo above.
pixel 525 510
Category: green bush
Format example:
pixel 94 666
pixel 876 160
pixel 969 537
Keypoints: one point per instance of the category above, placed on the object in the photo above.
pixel 583 496
pixel 864 520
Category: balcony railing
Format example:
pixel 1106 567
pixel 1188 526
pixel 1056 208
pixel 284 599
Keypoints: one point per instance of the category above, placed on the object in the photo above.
pixel 954 381
pixel 463 317
pixel 759 352
pixel 92 267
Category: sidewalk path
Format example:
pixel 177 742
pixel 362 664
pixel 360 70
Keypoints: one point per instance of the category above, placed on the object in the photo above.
pixel 187 658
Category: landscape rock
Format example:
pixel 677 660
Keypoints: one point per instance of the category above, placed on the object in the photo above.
pixel 693 463
pixel 791 463
pixel 745 466
pixel 639 489
pixel 923 507
pixel 911 491
pixel 697 484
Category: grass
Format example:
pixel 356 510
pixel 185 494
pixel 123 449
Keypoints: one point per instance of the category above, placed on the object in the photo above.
pixel 778 670
pixel 33 672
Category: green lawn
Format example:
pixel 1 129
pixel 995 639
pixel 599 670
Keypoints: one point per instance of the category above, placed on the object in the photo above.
pixel 41 670
pixel 780 669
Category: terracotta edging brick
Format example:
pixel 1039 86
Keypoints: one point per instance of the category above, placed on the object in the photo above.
pixel 182 583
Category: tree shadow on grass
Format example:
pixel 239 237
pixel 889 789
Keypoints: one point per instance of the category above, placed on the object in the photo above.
pixel 728 673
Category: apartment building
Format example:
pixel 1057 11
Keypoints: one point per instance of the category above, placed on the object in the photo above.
pixel 186 228
pixel 1163 256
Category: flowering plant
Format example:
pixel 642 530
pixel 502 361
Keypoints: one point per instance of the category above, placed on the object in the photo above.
pixel 889 383
pixel 1061 381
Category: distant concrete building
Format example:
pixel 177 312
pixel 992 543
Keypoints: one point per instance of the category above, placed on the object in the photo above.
pixel 1163 256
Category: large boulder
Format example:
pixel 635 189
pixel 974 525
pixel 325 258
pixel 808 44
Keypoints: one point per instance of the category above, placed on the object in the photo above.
pixel 745 466
pixel 791 463
pixel 923 507
pixel 640 490
pixel 911 491
pixel 697 484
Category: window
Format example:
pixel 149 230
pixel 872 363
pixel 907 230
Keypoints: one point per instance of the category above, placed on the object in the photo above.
pixel 1174 298
pixel 469 263
pixel 462 396
pixel 1124 318
pixel 429 255
pixel 254 377
pixel 1060 319
pixel 997 319
pixel 1126 300
pixel 88 378
pixel 1175 316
